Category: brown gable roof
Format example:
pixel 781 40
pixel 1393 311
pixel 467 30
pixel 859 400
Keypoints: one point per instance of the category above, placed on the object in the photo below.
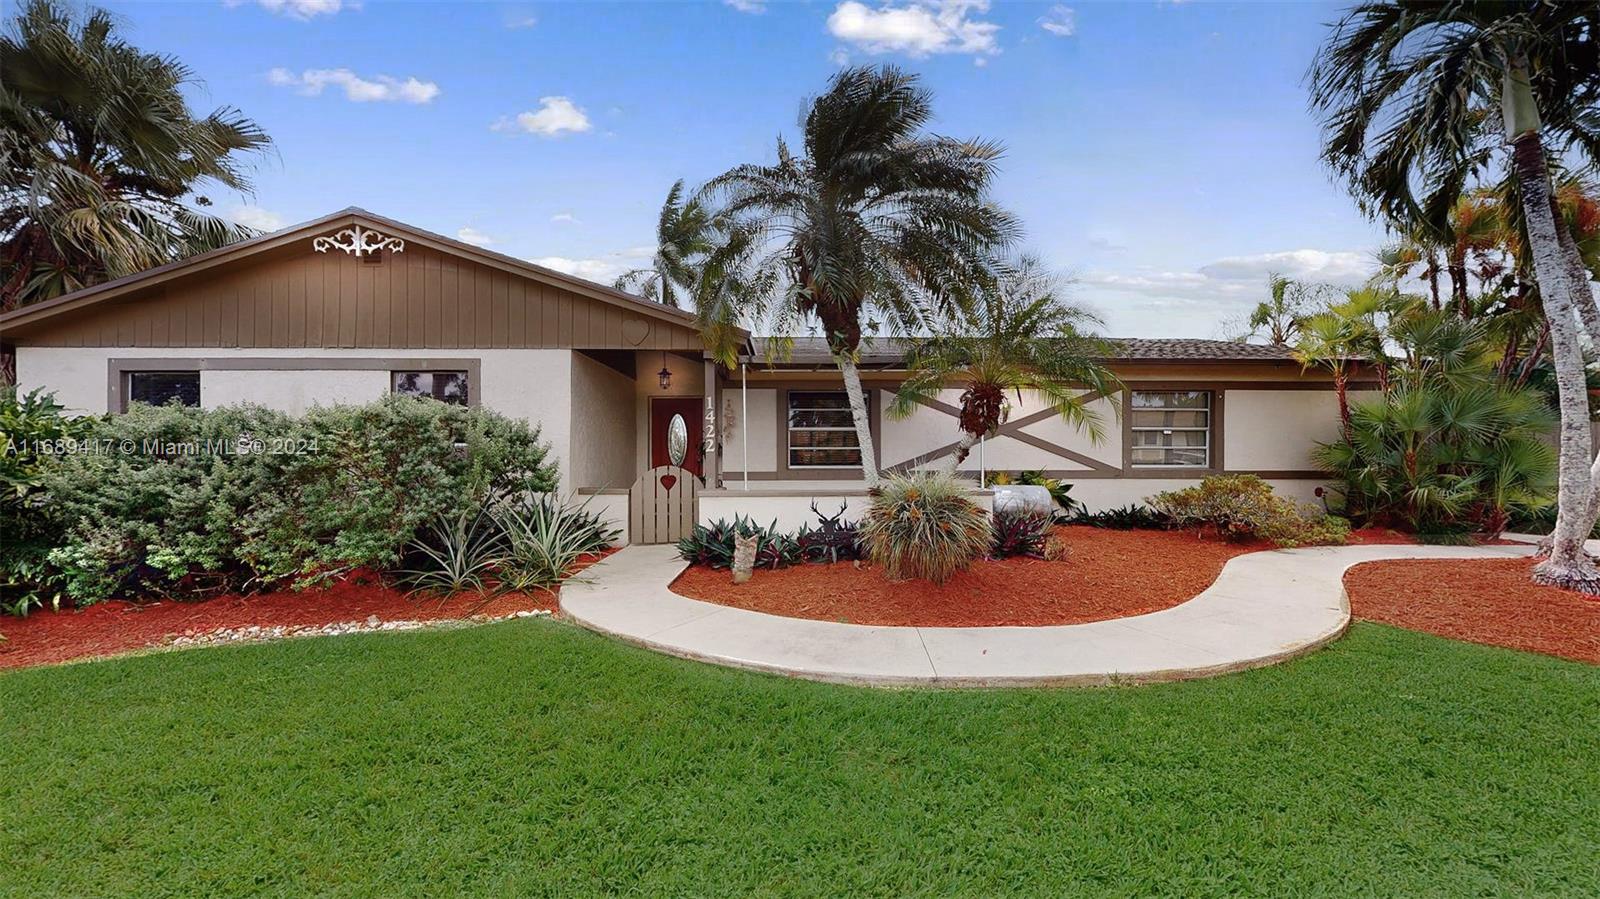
pixel 890 352
pixel 89 296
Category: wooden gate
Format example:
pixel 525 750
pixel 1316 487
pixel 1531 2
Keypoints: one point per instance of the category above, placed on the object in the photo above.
pixel 663 505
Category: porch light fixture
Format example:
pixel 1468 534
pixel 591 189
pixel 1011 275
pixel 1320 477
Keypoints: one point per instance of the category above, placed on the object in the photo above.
pixel 665 374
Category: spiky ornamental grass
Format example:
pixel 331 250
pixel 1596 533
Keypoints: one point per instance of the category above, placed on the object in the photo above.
pixel 923 526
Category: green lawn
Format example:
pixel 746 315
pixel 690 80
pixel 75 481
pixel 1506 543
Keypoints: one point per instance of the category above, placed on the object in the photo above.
pixel 530 757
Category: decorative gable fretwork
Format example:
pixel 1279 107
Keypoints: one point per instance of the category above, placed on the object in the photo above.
pixel 358 241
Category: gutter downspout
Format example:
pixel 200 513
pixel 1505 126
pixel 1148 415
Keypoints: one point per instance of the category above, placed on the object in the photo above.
pixel 744 418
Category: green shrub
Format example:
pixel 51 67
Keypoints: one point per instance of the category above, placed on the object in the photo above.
pixel 712 545
pixel 544 537
pixel 1021 532
pixel 1126 518
pixel 1243 507
pixel 34 433
pixel 923 526
pixel 185 501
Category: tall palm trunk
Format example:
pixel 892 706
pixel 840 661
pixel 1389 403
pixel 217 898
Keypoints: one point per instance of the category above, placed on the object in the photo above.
pixel 858 413
pixel 964 445
pixel 1568 566
pixel 1458 282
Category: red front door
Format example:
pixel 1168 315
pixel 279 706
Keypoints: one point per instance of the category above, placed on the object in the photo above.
pixel 690 439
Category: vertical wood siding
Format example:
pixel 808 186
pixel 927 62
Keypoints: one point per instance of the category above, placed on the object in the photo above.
pixel 420 298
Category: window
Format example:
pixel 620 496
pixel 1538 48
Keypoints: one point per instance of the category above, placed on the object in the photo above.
pixel 444 386
pixel 822 433
pixel 1171 428
pixel 161 387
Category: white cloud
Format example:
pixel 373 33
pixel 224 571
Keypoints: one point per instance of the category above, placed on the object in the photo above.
pixel 554 117
pixel 378 89
pixel 565 218
pixel 749 6
pixel 516 21
pixel 600 269
pixel 917 27
pixel 296 9
pixel 469 234
pixel 1061 21
pixel 1148 302
pixel 252 216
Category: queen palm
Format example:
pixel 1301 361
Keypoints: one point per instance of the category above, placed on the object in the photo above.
pixel 101 158
pixel 1020 338
pixel 877 221
pixel 1405 90
pixel 687 233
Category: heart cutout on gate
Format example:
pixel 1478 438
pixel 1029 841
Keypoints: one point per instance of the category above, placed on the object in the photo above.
pixel 668 481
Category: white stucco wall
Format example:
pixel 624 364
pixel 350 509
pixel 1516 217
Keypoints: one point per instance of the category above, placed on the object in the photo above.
pixel 925 430
pixel 1098 494
pixel 534 385
pixel 603 423
pixel 611 507
pixel 763 434
pixel 1276 430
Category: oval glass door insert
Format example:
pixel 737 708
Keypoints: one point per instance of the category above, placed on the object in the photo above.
pixel 677 439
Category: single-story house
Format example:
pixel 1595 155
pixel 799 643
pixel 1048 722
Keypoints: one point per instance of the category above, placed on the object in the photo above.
pixel 353 305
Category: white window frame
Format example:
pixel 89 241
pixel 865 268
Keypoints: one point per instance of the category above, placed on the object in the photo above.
pixel 1209 429
pixel 789 429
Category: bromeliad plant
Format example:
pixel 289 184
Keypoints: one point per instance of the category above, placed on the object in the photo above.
pixel 924 526
pixel 1020 337
pixel 1021 532
pixel 712 545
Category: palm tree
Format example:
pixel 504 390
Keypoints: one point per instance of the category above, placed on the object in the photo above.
pixel 686 234
pixel 1405 90
pixel 1021 337
pixel 703 260
pixel 876 221
pixel 1280 317
pixel 100 155
pixel 1344 335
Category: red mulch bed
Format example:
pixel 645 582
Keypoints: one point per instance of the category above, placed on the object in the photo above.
pixel 1110 574
pixel 108 628
pixel 1489 601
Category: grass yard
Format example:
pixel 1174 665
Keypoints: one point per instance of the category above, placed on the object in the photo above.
pixel 529 757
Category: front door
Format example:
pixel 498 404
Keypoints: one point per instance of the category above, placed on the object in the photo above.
pixel 677 425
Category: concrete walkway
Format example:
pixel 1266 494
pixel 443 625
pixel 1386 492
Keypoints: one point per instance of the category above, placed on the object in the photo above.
pixel 1264 608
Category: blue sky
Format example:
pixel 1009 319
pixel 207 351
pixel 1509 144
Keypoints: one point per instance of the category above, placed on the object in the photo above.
pixel 1160 153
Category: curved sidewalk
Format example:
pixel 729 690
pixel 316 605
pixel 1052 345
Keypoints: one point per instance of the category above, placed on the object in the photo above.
pixel 1264 608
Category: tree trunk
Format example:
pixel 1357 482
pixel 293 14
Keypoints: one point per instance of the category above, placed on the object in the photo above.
pixel 1458 285
pixel 858 412
pixel 1433 277
pixel 1341 386
pixel 963 449
pixel 1568 565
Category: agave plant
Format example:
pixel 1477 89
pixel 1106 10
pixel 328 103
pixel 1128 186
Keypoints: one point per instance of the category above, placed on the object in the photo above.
pixel 544 538
pixel 455 554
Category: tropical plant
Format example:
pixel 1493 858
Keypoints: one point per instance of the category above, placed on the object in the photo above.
pixel 1344 336
pixel 1132 517
pixel 1020 337
pixel 1021 532
pixel 877 221
pixel 455 554
pixel 544 538
pixel 1409 92
pixel 1060 491
pixel 1243 507
pixel 923 525
pixel 712 545
pixel 1279 319
pixel 102 162
pixel 1447 447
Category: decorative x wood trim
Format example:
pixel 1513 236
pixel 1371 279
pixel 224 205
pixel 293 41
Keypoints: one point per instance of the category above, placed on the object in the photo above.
pixel 1012 429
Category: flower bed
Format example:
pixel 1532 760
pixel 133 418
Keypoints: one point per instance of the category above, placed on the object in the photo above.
pixel 362 602
pixel 1110 574
pixel 1490 601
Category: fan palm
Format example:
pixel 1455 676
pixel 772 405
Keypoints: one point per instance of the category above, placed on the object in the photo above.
pixel 99 153
pixel 877 220
pixel 1343 336
pixel 1021 337
pixel 1406 91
